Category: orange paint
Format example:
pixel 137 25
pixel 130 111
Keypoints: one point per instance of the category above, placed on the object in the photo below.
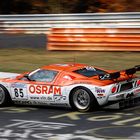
pixel 94 39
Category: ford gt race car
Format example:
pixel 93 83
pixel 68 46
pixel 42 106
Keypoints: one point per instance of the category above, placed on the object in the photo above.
pixel 79 86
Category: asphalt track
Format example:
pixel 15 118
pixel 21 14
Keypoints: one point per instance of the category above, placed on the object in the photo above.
pixel 40 123
pixel 23 40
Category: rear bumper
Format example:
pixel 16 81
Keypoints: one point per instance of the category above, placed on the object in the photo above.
pixel 121 104
pixel 131 94
pixel 129 102
pixel 124 99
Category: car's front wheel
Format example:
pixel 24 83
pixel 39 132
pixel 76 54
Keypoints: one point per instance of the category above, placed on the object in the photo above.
pixel 5 99
pixel 82 99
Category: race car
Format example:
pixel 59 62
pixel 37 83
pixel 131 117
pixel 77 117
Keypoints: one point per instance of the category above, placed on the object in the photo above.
pixel 79 86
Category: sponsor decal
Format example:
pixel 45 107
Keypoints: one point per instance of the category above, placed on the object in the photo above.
pixel 18 85
pixel 99 90
pixel 22 102
pixel 104 77
pixel 41 98
pixel 90 68
pixel 59 98
pixel 19 91
pixel 39 102
pixel 44 89
pixel 50 99
pixel 34 98
pixel 82 82
pixel 100 97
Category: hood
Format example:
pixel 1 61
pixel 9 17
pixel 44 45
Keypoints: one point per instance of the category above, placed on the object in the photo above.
pixel 7 75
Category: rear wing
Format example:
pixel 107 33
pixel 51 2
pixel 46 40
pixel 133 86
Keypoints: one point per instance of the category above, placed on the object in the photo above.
pixel 116 75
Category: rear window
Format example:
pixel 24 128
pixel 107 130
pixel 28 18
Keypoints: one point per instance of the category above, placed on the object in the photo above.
pixel 90 71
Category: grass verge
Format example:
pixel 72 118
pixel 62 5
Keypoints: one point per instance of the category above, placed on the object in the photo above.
pixel 21 60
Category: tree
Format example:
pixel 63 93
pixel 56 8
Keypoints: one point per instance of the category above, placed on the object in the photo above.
pixel 67 6
pixel 22 7
pixel 6 6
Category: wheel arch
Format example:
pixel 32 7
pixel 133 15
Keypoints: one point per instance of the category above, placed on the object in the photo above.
pixel 4 88
pixel 71 92
pixel 9 99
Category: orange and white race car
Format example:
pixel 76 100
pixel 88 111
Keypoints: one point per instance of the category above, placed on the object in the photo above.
pixel 79 86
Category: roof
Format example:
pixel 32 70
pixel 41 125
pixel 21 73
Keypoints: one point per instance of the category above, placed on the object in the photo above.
pixel 66 66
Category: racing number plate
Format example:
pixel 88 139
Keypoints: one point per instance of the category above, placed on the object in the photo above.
pixel 19 91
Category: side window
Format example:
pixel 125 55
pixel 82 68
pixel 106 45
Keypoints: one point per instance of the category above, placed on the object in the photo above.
pixel 43 75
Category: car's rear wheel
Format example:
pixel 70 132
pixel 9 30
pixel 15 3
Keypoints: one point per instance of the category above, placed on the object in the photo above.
pixel 83 100
pixel 5 99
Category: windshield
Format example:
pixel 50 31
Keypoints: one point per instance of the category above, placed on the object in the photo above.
pixel 90 71
pixel 41 75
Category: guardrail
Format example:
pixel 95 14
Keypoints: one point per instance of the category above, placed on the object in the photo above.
pixel 95 39
pixel 42 23
pixel 92 31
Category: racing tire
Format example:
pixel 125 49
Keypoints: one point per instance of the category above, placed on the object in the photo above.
pixel 83 100
pixel 5 99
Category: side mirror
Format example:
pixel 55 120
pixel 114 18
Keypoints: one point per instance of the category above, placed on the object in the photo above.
pixel 27 76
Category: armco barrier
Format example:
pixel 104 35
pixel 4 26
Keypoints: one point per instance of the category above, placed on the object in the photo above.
pixel 89 31
pixel 42 23
pixel 94 39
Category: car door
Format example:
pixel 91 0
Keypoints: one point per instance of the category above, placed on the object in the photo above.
pixel 38 87
pixel 41 89
pixel 43 93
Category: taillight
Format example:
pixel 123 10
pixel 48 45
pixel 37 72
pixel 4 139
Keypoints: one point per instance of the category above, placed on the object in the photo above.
pixel 138 83
pixel 114 89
